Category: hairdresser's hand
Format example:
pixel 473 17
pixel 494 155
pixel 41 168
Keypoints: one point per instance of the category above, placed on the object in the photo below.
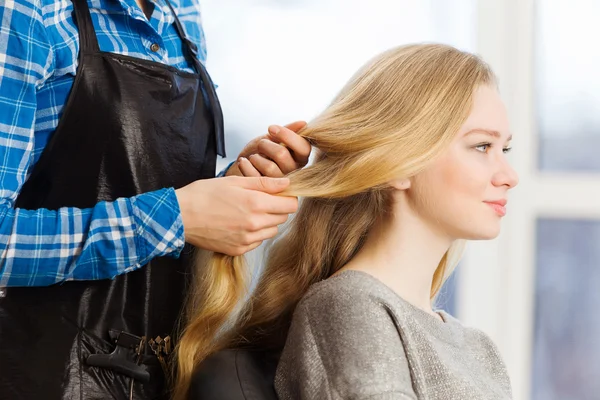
pixel 265 155
pixel 233 215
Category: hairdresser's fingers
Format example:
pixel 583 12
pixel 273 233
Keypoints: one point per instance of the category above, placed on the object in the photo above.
pixel 295 126
pixel 252 247
pixel 266 167
pixel 260 236
pixel 260 198
pixel 246 168
pixel 262 183
pixel 279 154
pixel 241 250
pixel 218 214
pixel 269 204
pixel 277 219
pixel 267 221
pixel 299 146
pixel 250 148
pixel 253 240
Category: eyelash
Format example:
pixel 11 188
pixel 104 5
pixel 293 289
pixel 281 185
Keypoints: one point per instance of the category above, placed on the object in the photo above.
pixel 489 145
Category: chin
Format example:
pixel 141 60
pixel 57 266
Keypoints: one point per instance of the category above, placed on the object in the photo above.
pixel 489 235
pixel 488 232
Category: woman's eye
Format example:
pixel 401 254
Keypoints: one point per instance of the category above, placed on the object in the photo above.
pixel 483 147
pixel 506 150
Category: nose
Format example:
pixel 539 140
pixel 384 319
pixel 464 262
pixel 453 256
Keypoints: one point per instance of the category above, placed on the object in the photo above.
pixel 506 175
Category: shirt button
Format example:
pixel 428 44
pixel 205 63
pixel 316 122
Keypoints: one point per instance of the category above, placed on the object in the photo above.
pixel 155 47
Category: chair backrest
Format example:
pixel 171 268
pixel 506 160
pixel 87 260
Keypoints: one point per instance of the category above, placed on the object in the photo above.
pixel 236 374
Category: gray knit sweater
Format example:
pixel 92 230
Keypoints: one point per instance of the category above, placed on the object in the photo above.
pixel 352 337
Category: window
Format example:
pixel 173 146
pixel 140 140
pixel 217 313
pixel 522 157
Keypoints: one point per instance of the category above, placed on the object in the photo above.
pixel 538 295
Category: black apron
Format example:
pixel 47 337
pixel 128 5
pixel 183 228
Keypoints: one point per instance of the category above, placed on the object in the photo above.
pixel 130 126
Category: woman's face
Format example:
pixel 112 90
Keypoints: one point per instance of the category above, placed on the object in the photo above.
pixel 464 193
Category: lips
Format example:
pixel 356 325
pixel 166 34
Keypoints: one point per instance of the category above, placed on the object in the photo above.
pixel 499 206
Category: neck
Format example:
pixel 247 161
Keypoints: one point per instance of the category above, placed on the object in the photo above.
pixel 146 6
pixel 403 252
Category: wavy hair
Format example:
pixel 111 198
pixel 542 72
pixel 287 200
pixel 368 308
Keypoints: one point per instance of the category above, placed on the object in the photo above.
pixel 392 119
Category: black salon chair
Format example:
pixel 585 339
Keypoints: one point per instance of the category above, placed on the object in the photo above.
pixel 235 375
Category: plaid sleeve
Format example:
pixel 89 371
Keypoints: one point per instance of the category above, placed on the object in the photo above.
pixel 224 170
pixel 43 247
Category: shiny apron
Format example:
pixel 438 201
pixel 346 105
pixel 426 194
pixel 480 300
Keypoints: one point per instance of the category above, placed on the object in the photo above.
pixel 130 126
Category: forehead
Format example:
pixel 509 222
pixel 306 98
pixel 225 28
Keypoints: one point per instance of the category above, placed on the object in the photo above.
pixel 488 112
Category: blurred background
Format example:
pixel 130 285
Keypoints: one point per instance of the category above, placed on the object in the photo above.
pixel 535 289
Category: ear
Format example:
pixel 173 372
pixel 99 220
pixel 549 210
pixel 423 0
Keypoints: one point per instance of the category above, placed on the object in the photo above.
pixel 400 184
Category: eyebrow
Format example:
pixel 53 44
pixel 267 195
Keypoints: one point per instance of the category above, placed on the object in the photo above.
pixel 489 132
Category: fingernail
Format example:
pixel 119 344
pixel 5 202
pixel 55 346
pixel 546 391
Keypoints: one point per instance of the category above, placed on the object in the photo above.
pixel 282 181
pixel 274 130
pixel 241 159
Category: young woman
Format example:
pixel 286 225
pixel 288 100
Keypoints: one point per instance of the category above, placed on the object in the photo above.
pixel 411 162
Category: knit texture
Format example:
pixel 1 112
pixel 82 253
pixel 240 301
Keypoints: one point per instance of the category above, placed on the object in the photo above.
pixel 352 337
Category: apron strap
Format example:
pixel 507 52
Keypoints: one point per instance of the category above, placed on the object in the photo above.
pixel 88 42
pixel 207 83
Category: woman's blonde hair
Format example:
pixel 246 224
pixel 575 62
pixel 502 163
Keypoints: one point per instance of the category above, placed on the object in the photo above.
pixel 395 116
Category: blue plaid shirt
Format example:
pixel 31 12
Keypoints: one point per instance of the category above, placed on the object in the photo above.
pixel 39 45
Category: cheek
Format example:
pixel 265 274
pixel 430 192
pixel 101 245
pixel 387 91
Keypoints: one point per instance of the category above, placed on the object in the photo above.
pixel 464 175
pixel 452 185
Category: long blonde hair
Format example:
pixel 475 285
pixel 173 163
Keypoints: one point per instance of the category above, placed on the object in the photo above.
pixel 395 116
